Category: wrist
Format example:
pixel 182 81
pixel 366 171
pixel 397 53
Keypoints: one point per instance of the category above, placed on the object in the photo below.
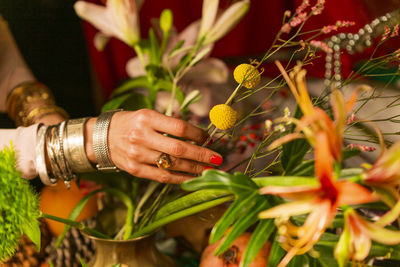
pixel 89 127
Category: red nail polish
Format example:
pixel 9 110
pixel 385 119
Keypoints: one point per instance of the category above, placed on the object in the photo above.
pixel 216 160
pixel 208 167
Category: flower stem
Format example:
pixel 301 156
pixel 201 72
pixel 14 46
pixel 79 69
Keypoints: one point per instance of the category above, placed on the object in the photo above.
pixel 75 224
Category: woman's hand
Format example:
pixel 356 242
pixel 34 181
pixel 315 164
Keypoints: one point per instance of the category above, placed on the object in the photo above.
pixel 136 139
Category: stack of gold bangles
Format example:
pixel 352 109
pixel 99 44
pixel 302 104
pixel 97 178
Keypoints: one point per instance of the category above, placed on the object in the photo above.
pixel 60 149
pixel 29 101
pixel 64 146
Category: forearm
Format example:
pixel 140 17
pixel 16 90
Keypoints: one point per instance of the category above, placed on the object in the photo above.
pixel 13 69
pixel 23 140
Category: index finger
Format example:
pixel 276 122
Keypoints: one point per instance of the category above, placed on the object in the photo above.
pixel 178 128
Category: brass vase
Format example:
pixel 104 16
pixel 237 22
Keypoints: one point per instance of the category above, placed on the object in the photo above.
pixel 138 252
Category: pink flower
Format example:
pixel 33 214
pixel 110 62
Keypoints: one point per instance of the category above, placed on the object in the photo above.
pixel 397 53
pixel 300 18
pixel 303 6
pixel 362 148
pixel 329 28
pixel 321 45
pixel 386 170
pixel 351 119
pixel 319 6
pixel 395 31
pixel 344 23
pixel 386 33
pixel 286 28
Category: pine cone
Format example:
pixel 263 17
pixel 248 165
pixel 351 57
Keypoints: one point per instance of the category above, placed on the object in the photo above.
pixel 74 247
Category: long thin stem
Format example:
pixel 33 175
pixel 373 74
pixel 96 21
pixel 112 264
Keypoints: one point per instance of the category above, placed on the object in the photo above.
pixel 75 224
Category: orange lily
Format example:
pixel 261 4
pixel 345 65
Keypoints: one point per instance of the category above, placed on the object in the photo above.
pixel 315 119
pixel 386 170
pixel 355 241
pixel 320 202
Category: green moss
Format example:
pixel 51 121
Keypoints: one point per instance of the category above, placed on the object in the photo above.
pixel 18 204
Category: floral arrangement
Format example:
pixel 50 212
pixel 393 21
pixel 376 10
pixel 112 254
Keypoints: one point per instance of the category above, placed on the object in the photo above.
pixel 304 200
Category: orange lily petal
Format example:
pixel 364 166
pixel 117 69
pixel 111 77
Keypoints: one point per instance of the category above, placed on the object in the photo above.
pixel 352 194
pixel 284 139
pixel 292 192
pixel 359 238
pixel 323 165
pixel 390 216
pixel 380 234
pixel 289 209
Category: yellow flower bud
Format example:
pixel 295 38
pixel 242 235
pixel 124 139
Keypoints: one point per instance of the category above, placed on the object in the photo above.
pixel 247 74
pixel 223 116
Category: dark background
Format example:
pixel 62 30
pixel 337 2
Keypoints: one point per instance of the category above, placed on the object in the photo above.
pixel 50 38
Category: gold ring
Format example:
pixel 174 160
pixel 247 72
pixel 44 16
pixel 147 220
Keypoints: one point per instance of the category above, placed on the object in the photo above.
pixel 163 161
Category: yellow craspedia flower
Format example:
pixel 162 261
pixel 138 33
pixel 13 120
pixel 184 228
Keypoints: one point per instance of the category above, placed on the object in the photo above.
pixel 223 116
pixel 248 74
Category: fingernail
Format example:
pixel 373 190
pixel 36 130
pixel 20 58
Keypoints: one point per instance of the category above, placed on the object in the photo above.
pixel 216 160
pixel 208 167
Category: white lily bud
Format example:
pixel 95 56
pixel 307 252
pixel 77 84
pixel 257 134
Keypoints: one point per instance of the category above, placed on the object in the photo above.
pixel 210 8
pixel 227 21
pixel 124 13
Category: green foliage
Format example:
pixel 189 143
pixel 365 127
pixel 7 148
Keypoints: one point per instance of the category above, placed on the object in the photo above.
pixel 242 213
pixel 132 101
pixel 294 151
pixel 18 206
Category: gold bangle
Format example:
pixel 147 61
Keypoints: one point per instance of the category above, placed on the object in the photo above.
pixel 41 111
pixel 24 96
pixel 74 146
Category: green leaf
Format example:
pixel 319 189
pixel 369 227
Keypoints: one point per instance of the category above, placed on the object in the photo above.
pixel 74 215
pixel 137 82
pixel 117 265
pixel 180 214
pixel 188 201
pixel 242 212
pixel 136 101
pixel 275 255
pixel 32 231
pixel 178 49
pixel 237 209
pixel 154 49
pixel 192 97
pixel 115 103
pixel 294 151
pixel 215 179
pixel 305 168
pixel 132 101
pixel 167 86
pixel 259 237
pixel 82 262
pixel 285 181
pixel 242 224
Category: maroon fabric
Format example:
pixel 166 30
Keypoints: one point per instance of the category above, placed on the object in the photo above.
pixel 252 36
